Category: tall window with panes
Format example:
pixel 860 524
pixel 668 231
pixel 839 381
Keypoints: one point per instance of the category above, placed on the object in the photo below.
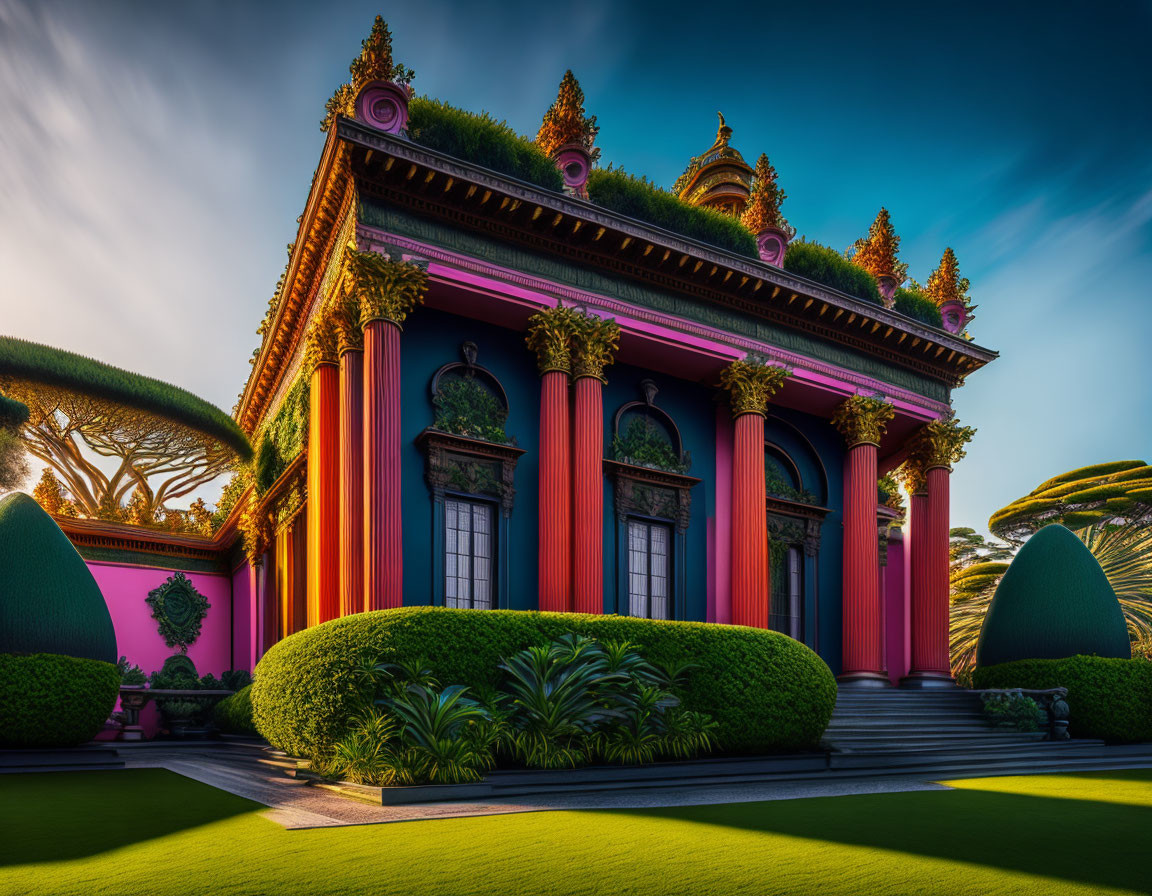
pixel 468 548
pixel 649 569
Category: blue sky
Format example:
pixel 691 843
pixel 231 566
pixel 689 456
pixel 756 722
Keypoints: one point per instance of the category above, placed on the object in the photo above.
pixel 154 158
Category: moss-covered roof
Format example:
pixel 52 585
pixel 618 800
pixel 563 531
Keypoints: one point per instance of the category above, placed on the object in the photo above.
pixel 33 362
pixel 49 601
pixel 1053 602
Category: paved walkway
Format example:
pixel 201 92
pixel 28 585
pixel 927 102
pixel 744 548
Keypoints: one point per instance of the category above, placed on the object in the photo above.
pixel 296 804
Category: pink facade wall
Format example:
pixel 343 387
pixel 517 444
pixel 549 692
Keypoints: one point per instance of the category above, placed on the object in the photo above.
pixel 125 589
pixel 243 612
pixel 897 616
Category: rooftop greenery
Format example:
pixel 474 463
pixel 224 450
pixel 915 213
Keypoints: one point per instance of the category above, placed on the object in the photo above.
pixel 639 198
pixel 827 266
pixel 12 412
pixel 916 305
pixel 30 361
pixel 481 140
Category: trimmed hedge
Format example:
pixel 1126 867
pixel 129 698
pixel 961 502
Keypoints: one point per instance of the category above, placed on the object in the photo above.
pixel 827 266
pixel 35 363
pixel 1107 698
pixel 234 714
pixel 639 198
pixel 767 692
pixel 919 307
pixel 12 413
pixel 48 700
pixel 481 140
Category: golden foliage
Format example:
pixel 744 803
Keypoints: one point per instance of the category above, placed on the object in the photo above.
pixel 861 419
pixel 938 444
pixel 320 342
pixel 565 121
pixel 764 201
pixel 877 253
pixel 594 344
pixel 386 289
pixel 375 63
pixel 751 385
pixel 945 283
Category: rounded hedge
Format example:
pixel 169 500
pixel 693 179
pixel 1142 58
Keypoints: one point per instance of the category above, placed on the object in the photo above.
pixel 1108 698
pixel 1053 602
pixel 49 601
pixel 48 700
pixel 234 714
pixel 767 692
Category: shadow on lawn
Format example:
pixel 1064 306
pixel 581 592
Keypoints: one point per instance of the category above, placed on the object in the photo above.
pixel 56 816
pixel 1083 841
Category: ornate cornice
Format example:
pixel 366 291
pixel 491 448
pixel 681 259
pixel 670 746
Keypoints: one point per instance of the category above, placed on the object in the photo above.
pixel 550 337
pixel 751 386
pixel 594 345
pixel 862 420
pixel 386 288
pixel 938 444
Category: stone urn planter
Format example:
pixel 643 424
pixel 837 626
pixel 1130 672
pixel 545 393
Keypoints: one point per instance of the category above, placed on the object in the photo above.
pixel 771 244
pixel 955 316
pixel 575 165
pixel 384 105
pixel 886 284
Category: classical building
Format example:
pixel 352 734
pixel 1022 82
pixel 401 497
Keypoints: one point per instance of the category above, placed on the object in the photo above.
pixel 519 398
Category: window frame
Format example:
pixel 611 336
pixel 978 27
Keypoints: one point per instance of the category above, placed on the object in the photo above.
pixel 650 524
pixel 473 502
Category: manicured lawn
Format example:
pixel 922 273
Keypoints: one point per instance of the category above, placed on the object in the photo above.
pixel 153 832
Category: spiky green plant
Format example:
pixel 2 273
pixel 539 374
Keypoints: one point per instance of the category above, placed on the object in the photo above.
pixel 433 722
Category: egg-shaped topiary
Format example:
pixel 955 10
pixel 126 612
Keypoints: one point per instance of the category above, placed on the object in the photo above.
pixel 1053 602
pixel 49 602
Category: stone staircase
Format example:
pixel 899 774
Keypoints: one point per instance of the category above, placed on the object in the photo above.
pixel 90 757
pixel 943 732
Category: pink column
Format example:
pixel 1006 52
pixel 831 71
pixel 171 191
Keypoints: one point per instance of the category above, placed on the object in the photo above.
pixel 351 482
pixel 555 512
pixel 588 496
pixel 383 563
pixel 931 665
pixel 750 574
pixel 863 661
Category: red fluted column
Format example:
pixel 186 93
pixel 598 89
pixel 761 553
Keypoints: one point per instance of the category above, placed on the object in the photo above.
pixel 931 665
pixel 862 422
pixel 351 482
pixel 555 494
pixel 383 560
pixel 750 386
pixel 323 495
pixel 588 496
pixel 751 586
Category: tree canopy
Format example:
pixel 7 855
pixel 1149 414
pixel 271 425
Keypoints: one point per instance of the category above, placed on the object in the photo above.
pixel 122 444
pixel 13 467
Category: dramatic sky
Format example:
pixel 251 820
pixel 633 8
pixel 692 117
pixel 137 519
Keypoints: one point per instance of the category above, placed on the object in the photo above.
pixel 154 158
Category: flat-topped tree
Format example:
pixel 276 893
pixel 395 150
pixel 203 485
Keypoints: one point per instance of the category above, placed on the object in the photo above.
pixel 110 434
pixel 375 63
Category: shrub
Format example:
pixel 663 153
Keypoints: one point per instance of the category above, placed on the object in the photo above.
pixel 827 266
pixel 1108 698
pixel 639 198
pixel 467 407
pixel 49 700
pixel 481 140
pixel 765 691
pixel 918 306
pixel 1013 711
pixel 234 714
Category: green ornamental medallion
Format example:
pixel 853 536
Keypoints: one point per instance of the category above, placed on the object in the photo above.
pixel 178 609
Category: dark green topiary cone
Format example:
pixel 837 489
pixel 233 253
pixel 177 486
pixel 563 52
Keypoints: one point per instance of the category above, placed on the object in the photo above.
pixel 1053 602
pixel 49 602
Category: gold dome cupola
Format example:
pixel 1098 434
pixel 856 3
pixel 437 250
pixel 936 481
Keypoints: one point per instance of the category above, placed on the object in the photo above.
pixel 718 178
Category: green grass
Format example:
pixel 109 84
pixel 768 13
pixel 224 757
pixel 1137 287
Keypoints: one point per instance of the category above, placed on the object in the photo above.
pixel 151 831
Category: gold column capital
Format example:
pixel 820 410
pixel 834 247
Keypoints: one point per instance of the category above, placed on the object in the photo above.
pixel 594 344
pixel 939 444
pixel 344 311
pixel 385 288
pixel 913 476
pixel 862 420
pixel 751 385
pixel 550 335
pixel 320 343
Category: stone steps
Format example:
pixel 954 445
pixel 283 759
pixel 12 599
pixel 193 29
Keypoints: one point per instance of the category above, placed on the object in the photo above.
pixel 85 758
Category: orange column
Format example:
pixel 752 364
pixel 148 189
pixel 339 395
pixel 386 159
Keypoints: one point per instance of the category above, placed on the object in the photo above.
pixel 383 546
pixel 751 584
pixel 323 494
pixel 750 386
pixel 862 422
pixel 351 482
